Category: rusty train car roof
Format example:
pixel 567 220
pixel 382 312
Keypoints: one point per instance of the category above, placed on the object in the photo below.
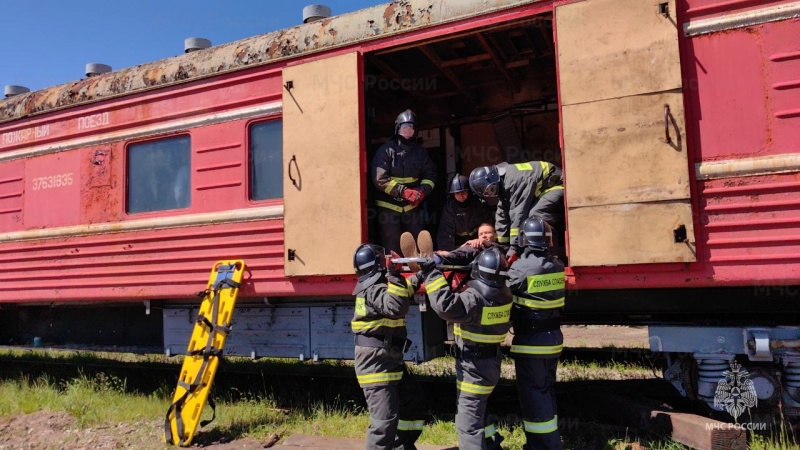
pixel 367 24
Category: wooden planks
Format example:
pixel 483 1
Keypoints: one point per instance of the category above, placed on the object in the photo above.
pixel 702 433
pixel 616 48
pixel 321 152
pixel 627 183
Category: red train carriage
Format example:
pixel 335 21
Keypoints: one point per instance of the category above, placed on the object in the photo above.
pixel 675 123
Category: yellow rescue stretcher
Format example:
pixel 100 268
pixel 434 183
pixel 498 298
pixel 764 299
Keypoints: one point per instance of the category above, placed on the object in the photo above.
pixel 205 350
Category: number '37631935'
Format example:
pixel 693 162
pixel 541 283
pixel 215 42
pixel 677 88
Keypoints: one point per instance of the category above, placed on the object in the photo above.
pixel 52 181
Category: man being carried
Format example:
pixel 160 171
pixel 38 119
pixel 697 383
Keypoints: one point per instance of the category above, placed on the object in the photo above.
pixel 465 254
pixel 462 215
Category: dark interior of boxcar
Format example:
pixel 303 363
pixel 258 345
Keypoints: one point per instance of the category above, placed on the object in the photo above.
pixel 481 97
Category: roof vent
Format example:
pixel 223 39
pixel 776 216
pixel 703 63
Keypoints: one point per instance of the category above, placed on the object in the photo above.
pixel 12 90
pixel 193 44
pixel 312 13
pixel 94 69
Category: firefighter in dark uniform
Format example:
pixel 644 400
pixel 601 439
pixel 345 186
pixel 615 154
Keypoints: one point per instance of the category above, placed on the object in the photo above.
pixel 523 190
pixel 462 215
pixel 394 398
pixel 537 282
pixel 481 315
pixel 404 175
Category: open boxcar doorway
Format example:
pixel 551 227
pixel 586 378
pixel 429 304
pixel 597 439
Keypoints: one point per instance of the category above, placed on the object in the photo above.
pixel 492 94
pixel 481 97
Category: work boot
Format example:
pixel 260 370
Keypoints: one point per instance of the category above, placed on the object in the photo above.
pixel 425 244
pixel 409 249
pixel 493 443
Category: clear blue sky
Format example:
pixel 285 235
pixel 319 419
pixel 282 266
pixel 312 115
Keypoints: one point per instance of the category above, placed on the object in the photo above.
pixel 49 42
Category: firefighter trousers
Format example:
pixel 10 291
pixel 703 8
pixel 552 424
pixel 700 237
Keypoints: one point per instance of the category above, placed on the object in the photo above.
pixel 396 414
pixel 536 378
pixel 550 207
pixel 476 378
pixel 392 224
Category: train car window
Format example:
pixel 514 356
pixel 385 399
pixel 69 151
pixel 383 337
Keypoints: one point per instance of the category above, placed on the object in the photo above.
pixel 158 175
pixel 266 160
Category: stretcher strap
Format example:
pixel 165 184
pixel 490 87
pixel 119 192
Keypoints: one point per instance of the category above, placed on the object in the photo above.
pixel 461 283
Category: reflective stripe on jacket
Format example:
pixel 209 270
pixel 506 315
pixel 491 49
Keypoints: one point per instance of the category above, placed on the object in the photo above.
pixel 380 312
pixel 397 166
pixel 481 313
pixel 537 282
pixel 380 309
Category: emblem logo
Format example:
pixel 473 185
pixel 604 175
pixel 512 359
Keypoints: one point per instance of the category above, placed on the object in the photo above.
pixel 735 391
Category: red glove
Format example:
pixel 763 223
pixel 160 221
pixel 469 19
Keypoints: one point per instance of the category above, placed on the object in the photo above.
pixel 512 256
pixel 394 269
pixel 412 196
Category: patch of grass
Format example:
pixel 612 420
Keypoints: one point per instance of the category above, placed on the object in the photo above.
pixel 101 399
pixel 780 439
pixel 568 370
pixel 440 432
pixel 92 401
pixel 574 370
pixel 444 366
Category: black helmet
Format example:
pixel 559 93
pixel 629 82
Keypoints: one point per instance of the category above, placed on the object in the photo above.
pixel 406 116
pixel 491 268
pixel 485 181
pixel 368 260
pixel 535 233
pixel 459 183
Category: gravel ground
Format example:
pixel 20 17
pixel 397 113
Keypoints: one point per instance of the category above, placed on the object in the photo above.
pixel 47 430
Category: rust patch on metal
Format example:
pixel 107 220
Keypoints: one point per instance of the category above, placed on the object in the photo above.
pixel 403 14
pixel 101 199
pixel 347 29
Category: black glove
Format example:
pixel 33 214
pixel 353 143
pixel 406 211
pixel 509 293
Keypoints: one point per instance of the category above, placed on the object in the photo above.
pixel 427 267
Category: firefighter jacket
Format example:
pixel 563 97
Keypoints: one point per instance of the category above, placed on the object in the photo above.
pixel 380 310
pixel 537 282
pixel 460 221
pixel 480 314
pixel 520 187
pixel 397 166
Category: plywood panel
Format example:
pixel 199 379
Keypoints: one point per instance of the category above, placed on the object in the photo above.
pixel 321 150
pixel 630 234
pixel 627 186
pixel 616 151
pixel 616 48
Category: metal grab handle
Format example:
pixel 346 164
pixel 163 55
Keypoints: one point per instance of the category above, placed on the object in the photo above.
pixel 666 123
pixel 293 160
